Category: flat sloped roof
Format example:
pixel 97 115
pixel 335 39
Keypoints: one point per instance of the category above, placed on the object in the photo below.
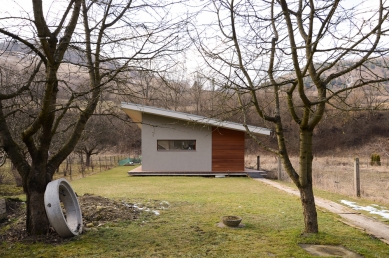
pixel 134 111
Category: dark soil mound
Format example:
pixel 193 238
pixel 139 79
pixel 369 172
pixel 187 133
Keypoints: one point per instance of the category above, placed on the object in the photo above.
pixel 96 211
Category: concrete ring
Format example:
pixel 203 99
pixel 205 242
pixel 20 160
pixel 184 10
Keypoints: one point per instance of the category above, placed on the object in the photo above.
pixel 68 224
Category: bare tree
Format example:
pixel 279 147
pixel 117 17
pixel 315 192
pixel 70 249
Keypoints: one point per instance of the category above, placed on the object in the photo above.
pixel 99 135
pixel 80 51
pixel 37 136
pixel 173 86
pixel 295 50
pixel 197 91
pixel 147 86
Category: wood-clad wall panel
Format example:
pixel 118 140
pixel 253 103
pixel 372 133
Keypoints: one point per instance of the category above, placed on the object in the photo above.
pixel 227 150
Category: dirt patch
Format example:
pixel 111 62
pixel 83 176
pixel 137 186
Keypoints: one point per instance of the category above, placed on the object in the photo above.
pixel 96 211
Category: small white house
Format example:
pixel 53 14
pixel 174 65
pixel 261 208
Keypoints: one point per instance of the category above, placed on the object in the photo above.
pixel 180 143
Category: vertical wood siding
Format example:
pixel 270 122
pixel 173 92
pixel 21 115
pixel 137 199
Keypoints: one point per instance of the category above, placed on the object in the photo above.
pixel 227 150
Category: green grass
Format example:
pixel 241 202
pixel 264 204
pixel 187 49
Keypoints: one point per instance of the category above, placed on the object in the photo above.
pixel 273 222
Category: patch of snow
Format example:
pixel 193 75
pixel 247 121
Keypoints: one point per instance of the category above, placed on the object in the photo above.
pixel 138 208
pixel 381 211
pixel 141 207
pixel 164 205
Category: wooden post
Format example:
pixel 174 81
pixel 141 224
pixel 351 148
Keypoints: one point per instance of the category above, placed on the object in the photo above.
pixel 357 179
pixel 258 164
pixel 100 163
pixel 279 168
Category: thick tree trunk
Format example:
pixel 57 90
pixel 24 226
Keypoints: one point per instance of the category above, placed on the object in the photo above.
pixel 309 209
pixel 37 221
pixel 34 186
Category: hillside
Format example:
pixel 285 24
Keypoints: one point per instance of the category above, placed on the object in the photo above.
pixel 339 133
pixel 15 48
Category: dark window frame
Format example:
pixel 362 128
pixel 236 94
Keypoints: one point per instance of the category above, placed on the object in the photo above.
pixel 176 145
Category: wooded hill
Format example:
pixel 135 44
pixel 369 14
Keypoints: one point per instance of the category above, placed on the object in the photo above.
pixel 341 132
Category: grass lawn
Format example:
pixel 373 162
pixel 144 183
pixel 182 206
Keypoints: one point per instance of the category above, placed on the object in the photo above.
pixel 188 228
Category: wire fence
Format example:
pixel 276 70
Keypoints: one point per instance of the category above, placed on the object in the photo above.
pixel 336 174
pixel 77 166
pixel 74 167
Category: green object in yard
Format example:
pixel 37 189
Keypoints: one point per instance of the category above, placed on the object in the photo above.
pixel 129 161
pixel 124 162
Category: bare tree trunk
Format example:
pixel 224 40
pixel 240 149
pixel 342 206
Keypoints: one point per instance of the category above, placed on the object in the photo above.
pixel 309 209
pixel 87 159
pixel 82 165
pixel 37 222
pixel 70 168
pixel 305 184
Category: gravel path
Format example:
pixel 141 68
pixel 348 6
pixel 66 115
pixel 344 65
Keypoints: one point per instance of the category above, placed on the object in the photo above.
pixel 349 216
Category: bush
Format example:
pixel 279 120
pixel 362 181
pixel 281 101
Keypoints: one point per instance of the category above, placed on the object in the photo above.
pixel 375 159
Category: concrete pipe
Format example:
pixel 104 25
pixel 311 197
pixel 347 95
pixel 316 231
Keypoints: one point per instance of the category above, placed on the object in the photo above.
pixel 66 219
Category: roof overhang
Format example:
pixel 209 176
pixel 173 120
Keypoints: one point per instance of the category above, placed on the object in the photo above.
pixel 135 111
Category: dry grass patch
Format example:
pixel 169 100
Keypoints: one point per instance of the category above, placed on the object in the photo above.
pixel 336 174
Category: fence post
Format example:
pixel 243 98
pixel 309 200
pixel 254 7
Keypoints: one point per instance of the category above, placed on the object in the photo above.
pixel 258 164
pixel 100 163
pixel 357 179
pixel 279 168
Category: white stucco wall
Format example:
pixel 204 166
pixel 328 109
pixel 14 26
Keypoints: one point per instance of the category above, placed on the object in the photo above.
pixel 161 128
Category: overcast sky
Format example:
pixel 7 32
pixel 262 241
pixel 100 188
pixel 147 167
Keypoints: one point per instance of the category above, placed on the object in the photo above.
pixel 24 7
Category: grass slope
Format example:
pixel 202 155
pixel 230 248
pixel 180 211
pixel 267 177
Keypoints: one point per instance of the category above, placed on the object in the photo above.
pixel 273 222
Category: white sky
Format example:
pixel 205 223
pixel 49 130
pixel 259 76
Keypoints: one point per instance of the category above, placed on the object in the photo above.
pixel 24 7
pixel 15 7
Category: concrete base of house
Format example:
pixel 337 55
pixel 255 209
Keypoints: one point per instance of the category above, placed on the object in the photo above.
pixel 247 172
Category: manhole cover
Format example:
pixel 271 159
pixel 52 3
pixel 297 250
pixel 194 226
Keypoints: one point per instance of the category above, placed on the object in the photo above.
pixel 329 250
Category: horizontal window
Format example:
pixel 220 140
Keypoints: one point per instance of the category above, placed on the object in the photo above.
pixel 176 145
